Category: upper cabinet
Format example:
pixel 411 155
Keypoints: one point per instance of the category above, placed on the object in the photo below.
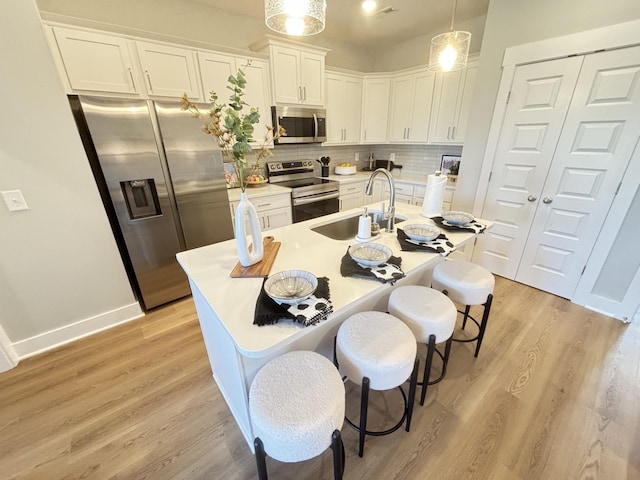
pixel 297 72
pixel 94 62
pixel 169 71
pixel 451 104
pixel 215 69
pixel 344 104
pixel 410 109
pixel 375 109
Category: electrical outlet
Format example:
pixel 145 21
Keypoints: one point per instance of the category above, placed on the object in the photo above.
pixel 14 200
pixel 356 157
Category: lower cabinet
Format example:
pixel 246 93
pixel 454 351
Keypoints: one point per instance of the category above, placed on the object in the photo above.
pixel 273 211
pixel 419 192
pixel 351 195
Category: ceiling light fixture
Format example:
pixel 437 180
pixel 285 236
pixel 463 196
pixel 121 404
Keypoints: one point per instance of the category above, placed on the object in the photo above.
pixel 295 17
pixel 369 5
pixel 450 51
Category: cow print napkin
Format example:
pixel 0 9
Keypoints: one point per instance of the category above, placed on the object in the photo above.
pixel 473 227
pixel 441 244
pixel 385 272
pixel 313 310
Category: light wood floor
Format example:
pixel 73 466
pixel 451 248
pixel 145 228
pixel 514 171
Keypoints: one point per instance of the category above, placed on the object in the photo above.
pixel 554 394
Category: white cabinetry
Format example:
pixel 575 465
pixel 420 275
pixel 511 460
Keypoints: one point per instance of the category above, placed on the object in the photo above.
pixel 344 107
pixel 297 72
pixel 419 192
pixel 410 110
pixel 215 69
pixel 273 210
pixel 94 62
pixel 404 192
pixel 451 104
pixel 375 111
pixel 351 195
pixel 169 71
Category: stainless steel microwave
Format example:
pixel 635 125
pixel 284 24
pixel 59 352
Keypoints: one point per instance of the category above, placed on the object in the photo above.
pixel 303 125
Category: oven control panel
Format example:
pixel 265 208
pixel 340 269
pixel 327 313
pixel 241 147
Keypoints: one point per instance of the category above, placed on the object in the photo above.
pixel 290 166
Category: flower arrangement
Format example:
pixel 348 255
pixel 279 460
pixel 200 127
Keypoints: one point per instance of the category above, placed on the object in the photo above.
pixel 234 130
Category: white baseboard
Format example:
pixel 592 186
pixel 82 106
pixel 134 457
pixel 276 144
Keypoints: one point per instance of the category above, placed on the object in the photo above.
pixel 69 333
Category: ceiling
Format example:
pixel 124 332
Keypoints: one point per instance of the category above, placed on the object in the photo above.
pixel 347 22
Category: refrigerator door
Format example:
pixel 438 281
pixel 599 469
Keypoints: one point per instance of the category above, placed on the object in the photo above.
pixel 197 174
pixel 123 136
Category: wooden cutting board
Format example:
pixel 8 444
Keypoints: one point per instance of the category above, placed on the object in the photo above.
pixel 263 267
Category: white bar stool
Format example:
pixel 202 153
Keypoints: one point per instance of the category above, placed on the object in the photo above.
pixel 296 403
pixel 431 316
pixel 467 284
pixel 378 352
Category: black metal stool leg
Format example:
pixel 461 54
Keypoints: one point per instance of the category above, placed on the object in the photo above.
pixel 412 392
pixel 483 323
pixel 431 347
pixel 260 459
pixel 364 405
pixel 466 315
pixel 338 455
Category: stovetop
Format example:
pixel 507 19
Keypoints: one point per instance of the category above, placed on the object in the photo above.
pixel 300 177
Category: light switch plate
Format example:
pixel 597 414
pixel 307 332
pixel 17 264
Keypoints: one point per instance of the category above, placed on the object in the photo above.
pixel 15 200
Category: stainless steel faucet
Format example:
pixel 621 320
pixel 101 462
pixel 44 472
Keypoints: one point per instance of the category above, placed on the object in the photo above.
pixel 390 214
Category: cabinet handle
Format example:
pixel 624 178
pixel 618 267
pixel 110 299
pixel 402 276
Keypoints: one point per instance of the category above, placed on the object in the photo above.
pixel 264 204
pixel 449 133
pixel 365 133
pixel 453 133
pixel 268 221
pixel 304 93
pixel 133 84
pixel 300 93
pixel 149 80
pixel 408 133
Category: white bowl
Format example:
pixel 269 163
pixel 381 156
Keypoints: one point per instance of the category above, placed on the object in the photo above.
pixel 369 254
pixel 345 170
pixel 291 286
pixel 421 232
pixel 457 218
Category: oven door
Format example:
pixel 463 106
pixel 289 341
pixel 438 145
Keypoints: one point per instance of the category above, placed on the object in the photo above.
pixel 306 208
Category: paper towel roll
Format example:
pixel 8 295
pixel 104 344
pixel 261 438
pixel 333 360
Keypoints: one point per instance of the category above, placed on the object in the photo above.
pixel 434 195
pixel 364 227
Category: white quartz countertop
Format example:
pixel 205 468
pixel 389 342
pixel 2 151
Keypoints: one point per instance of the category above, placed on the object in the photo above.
pixel 359 176
pixel 233 299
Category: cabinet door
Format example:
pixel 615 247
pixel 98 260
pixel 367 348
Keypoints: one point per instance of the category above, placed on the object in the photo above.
pixel 401 108
pixel 335 109
pixel 418 126
pixel 215 69
pixel 464 104
pixel 95 62
pixel 257 95
pixel 169 71
pixel 375 112
pixel 444 106
pixel 312 78
pixel 350 201
pixel 286 75
pixel 278 217
pixel 353 109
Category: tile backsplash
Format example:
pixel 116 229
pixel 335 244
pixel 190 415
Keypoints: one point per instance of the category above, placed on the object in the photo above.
pixel 416 159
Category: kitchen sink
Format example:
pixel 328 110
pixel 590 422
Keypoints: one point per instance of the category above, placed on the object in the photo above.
pixel 347 228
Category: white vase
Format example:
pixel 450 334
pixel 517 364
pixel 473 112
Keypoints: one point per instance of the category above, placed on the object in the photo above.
pixel 246 209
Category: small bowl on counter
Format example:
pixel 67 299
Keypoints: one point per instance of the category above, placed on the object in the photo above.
pixel 291 286
pixel 345 170
pixel 370 254
pixel 458 218
pixel 421 232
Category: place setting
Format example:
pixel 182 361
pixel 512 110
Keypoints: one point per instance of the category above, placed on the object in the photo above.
pixel 455 220
pixel 371 260
pixel 422 237
pixel 295 295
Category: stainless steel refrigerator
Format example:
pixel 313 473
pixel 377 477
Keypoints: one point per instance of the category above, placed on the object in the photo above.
pixel 162 183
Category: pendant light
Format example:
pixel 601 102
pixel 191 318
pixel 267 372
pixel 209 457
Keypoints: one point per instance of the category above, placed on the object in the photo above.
pixel 450 51
pixel 295 17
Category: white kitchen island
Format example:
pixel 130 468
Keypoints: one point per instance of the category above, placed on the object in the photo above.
pixel 237 349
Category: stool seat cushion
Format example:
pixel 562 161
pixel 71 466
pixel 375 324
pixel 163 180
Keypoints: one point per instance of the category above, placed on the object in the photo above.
pixel 378 346
pixel 465 282
pixel 425 311
pixel 296 402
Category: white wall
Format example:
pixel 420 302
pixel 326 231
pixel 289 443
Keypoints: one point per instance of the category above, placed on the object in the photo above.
pixel 59 266
pixel 515 22
pixel 189 22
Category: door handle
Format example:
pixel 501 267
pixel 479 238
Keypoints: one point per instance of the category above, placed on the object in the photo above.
pixel 547 200
pixel 532 198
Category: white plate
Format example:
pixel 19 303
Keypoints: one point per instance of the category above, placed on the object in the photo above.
pixel 421 232
pixel 457 218
pixel 369 254
pixel 291 286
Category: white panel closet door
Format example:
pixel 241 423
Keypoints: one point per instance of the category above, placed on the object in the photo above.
pixel 597 140
pixel 539 101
